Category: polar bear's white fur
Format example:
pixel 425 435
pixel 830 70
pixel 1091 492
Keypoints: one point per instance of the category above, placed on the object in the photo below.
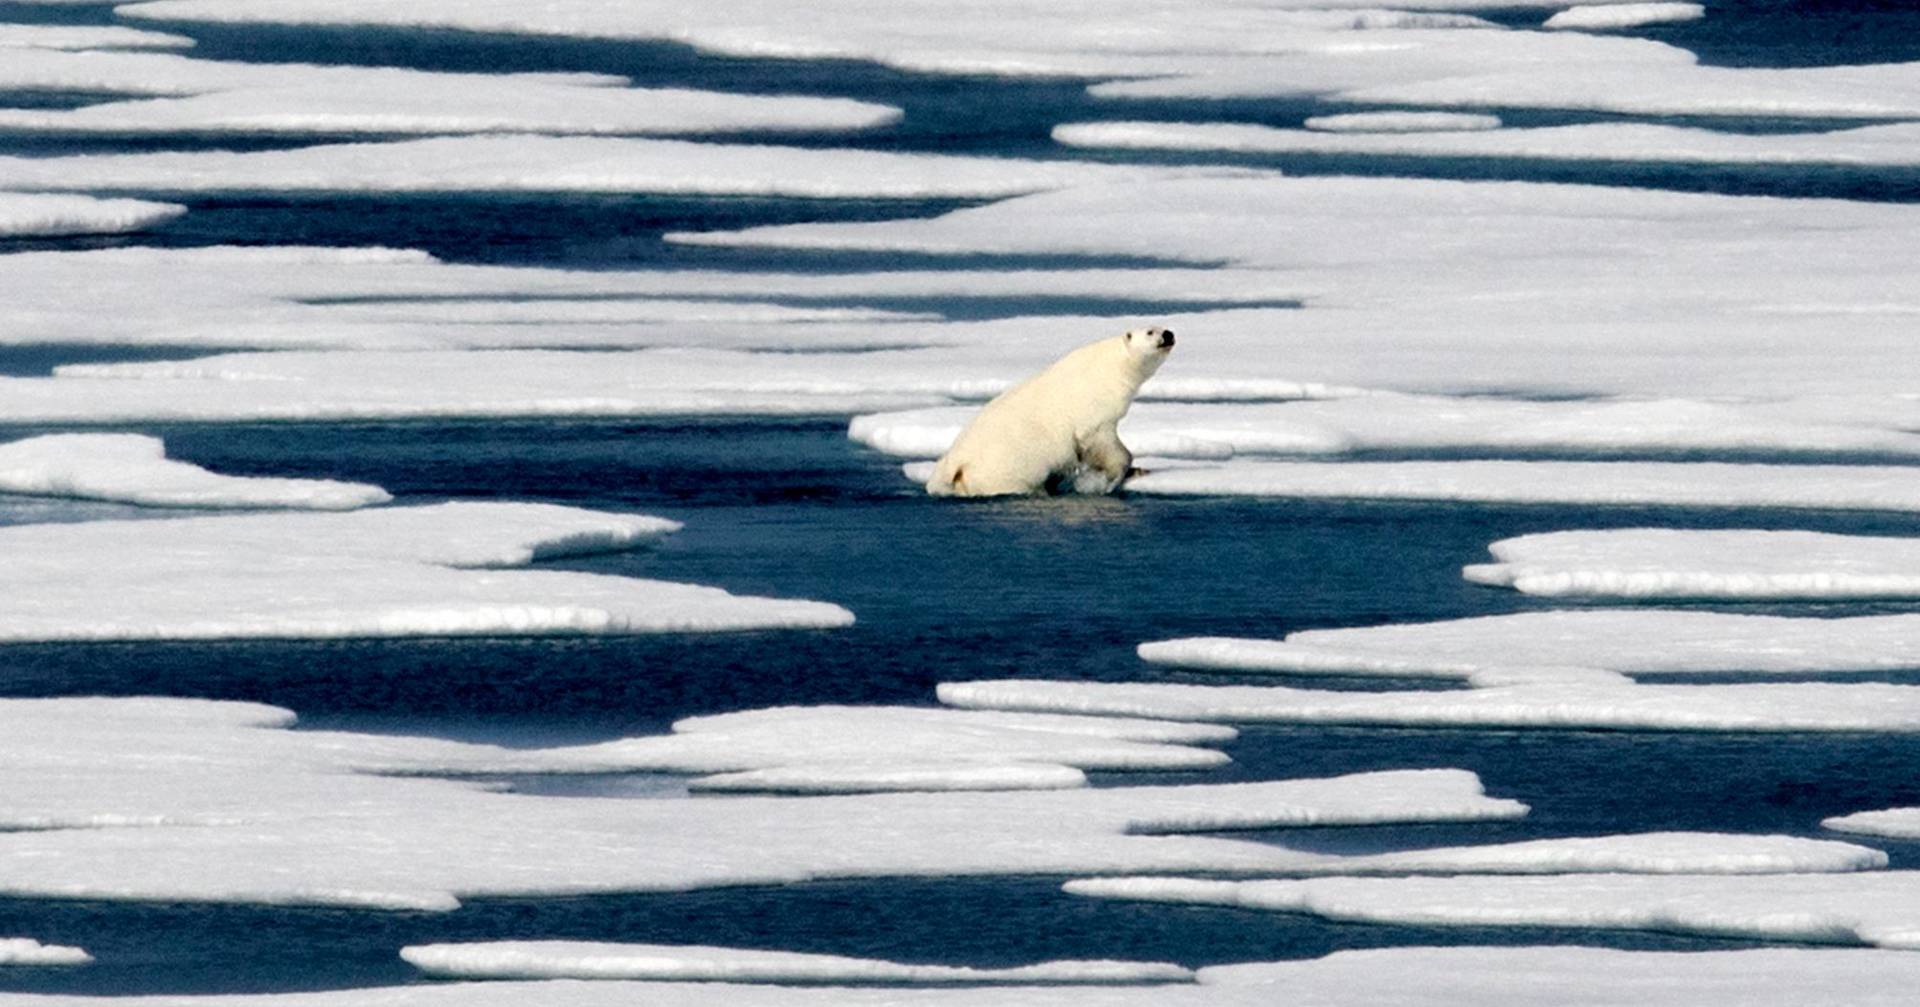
pixel 1057 426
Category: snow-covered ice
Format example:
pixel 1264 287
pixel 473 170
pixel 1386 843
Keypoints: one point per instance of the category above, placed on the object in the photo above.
pixel 185 800
pixel 1391 122
pixel 1677 563
pixel 688 963
pixel 1597 17
pixel 1563 700
pixel 1633 641
pixel 570 164
pixel 398 571
pixel 61 36
pixel 133 468
pixel 179 94
pixel 35 215
pixel 1896 145
pixel 27 951
pixel 1389 422
pixel 1678 484
pixel 1877 908
pixel 1887 823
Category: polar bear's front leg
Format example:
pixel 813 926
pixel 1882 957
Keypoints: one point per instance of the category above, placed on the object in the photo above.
pixel 1104 461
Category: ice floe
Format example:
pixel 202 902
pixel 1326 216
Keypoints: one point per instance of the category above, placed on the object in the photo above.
pixel 1493 648
pixel 1874 908
pixel 1384 122
pixel 1672 563
pixel 570 164
pixel 847 749
pixel 1387 422
pixel 1678 484
pixel 27 951
pixel 687 963
pixel 1593 17
pixel 1571 289
pixel 1887 823
pixel 62 36
pixel 178 94
pixel 1537 698
pixel 184 800
pixel 34 215
pixel 1643 853
pixel 133 468
pixel 405 571
pixel 1895 145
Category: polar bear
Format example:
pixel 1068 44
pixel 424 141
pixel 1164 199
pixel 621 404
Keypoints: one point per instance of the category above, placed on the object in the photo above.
pixel 1057 426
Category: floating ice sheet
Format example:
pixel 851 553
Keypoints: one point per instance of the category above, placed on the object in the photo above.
pixel 1669 563
pixel 1640 641
pixel 61 36
pixel 1569 289
pixel 1385 422
pixel 1888 823
pixel 1865 146
pixel 34 215
pixel 1678 484
pixel 1385 122
pixel 572 164
pixel 1874 908
pixel 133 468
pixel 27 951
pixel 185 800
pixel 376 572
pixel 185 95
pixel 1599 17
pixel 1589 701
pixel 686 963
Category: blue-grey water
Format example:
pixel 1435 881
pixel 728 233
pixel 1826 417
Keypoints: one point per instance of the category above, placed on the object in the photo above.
pixel 942 591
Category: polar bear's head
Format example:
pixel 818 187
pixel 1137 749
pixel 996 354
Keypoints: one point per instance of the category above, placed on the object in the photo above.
pixel 1147 348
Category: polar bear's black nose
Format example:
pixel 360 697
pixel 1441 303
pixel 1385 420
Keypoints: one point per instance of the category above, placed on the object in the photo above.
pixel 1166 338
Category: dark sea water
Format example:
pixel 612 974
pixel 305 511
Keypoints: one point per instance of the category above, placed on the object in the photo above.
pixel 942 591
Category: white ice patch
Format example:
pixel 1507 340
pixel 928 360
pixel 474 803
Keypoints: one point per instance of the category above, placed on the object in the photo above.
pixel 39 215
pixel 1492 648
pixel 134 469
pixel 1583 289
pixel 1550 698
pixel 688 963
pixel 1387 422
pixel 565 164
pixel 1895 145
pixel 1643 853
pixel 1676 484
pixel 1381 122
pixel 185 95
pixel 1669 563
pixel 372 573
pixel 27 951
pixel 1601 17
pixel 847 749
pixel 183 800
pixel 1874 908
pixel 1888 823
pixel 62 36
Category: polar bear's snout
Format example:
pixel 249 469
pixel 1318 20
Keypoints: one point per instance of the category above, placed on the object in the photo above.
pixel 1166 339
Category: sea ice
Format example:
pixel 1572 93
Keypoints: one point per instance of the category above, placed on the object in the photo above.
pixel 179 94
pixel 27 951
pixel 62 36
pixel 1874 908
pixel 35 215
pixel 1593 701
pixel 1630 641
pixel 1678 484
pixel 1888 823
pixel 1674 563
pixel 1896 145
pixel 1384 122
pixel 401 571
pixel 133 468
pixel 565 164
pixel 1594 17
pixel 190 800
pixel 1389 422
pixel 687 963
